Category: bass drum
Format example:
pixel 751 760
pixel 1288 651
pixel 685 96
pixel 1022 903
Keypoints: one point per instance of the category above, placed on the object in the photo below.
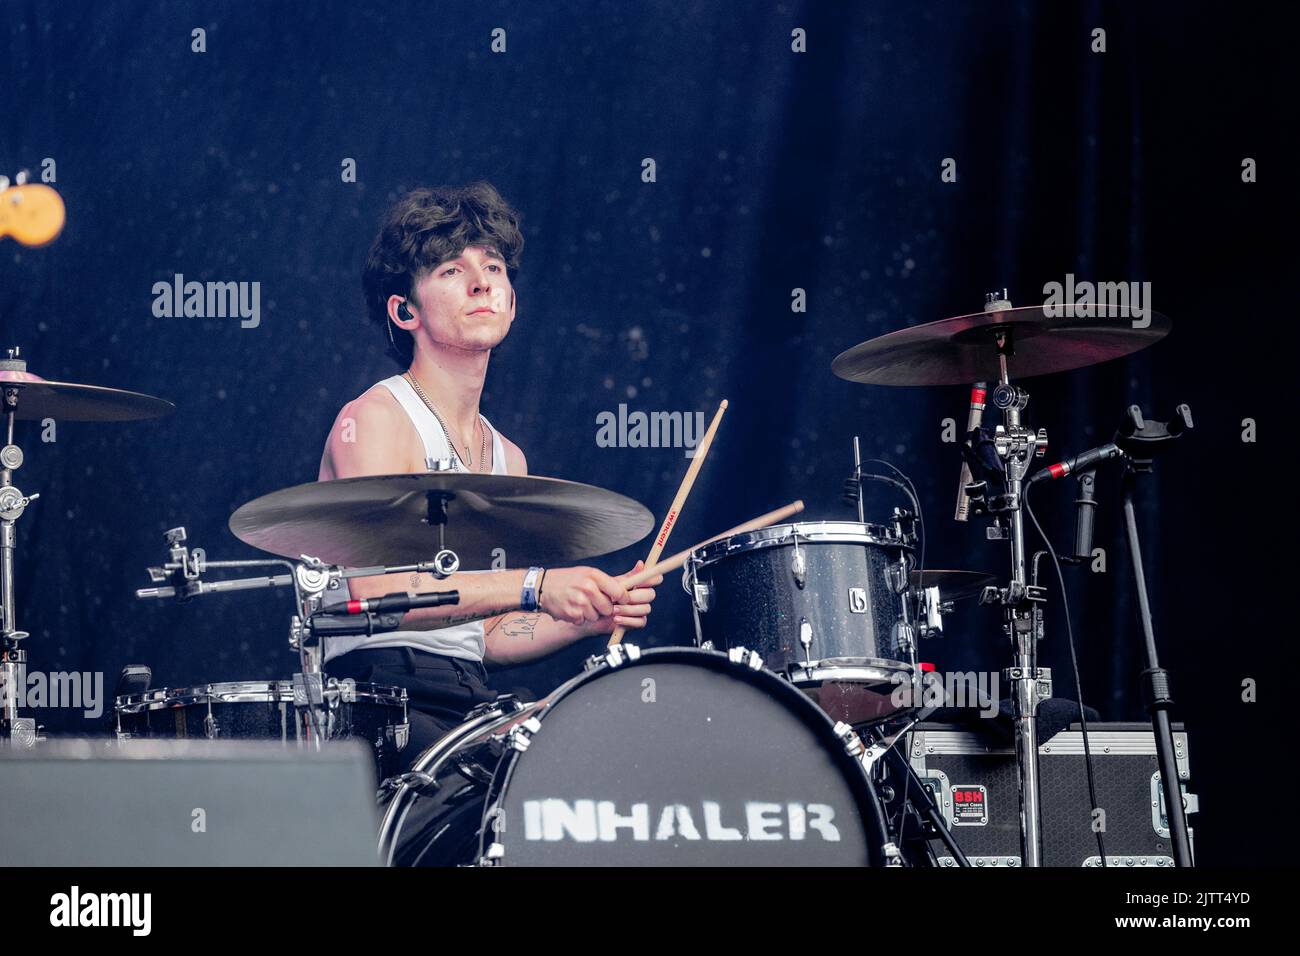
pixel 665 757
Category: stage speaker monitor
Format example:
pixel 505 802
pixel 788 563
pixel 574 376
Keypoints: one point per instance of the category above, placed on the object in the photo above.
pixel 84 802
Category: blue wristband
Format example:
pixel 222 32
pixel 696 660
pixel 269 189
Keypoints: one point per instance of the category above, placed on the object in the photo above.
pixel 528 599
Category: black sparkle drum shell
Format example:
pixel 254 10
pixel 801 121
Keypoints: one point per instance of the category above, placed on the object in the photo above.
pixel 754 595
pixel 684 758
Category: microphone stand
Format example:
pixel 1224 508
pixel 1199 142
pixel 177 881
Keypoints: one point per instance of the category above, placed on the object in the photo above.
pixel 1141 440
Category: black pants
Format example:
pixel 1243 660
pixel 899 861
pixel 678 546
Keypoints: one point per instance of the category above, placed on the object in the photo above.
pixel 441 689
pixel 440 828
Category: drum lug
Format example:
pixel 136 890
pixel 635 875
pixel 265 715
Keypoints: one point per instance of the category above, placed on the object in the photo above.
pixel 616 656
pixel 743 655
pixel 849 737
pixel 493 856
pixel 701 595
pixel 806 638
pixel 521 736
pixel 692 585
pixel 898 576
pixel 904 636
pixel 799 565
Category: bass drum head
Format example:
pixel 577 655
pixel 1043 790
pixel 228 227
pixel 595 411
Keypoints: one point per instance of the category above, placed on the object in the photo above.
pixel 684 758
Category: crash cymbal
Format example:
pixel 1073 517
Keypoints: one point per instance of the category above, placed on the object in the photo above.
pixel 492 520
pixel 953 585
pixel 70 402
pixel 961 350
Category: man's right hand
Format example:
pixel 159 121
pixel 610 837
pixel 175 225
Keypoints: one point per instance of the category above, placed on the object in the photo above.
pixel 581 595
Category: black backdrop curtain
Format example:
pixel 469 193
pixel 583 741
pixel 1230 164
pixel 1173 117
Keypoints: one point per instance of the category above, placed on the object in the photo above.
pixel 775 171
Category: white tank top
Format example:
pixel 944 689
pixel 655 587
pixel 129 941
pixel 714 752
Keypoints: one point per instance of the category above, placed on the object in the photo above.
pixel 464 640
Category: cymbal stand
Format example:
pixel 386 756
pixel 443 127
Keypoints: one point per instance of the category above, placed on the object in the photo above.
pixel 15 730
pixel 1016 446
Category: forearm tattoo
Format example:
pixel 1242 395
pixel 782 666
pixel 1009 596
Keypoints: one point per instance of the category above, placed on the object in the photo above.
pixel 522 625
pixel 519 625
pixel 473 616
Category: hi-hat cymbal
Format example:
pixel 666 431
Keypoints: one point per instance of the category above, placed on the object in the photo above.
pixel 492 520
pixel 70 402
pixel 953 585
pixel 961 350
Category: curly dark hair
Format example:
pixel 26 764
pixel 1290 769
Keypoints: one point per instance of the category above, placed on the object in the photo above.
pixel 425 227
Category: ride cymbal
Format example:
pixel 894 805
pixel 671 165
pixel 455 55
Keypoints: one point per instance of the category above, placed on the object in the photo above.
pixel 962 350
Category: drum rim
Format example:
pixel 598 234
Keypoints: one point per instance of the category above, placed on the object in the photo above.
pixel 243 692
pixel 813 532
pixel 816 719
pixel 829 667
pixel 431 759
pixel 716 660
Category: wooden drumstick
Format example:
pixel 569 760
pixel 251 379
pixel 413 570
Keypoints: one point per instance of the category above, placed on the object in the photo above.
pixel 678 559
pixel 675 508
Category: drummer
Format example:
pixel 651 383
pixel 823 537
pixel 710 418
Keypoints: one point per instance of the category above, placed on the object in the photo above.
pixel 437 286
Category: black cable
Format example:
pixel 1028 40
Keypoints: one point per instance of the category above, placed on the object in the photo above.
pixel 1074 662
pixel 908 488
pixel 902 813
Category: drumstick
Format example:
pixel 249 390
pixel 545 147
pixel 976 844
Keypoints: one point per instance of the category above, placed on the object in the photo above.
pixel 675 508
pixel 678 559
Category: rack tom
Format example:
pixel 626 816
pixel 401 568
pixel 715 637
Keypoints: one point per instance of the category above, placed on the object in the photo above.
pixel 823 602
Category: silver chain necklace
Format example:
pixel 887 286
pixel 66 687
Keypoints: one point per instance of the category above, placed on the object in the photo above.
pixel 482 458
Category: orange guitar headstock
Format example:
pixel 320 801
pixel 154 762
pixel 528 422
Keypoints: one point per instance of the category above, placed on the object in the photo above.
pixel 32 213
